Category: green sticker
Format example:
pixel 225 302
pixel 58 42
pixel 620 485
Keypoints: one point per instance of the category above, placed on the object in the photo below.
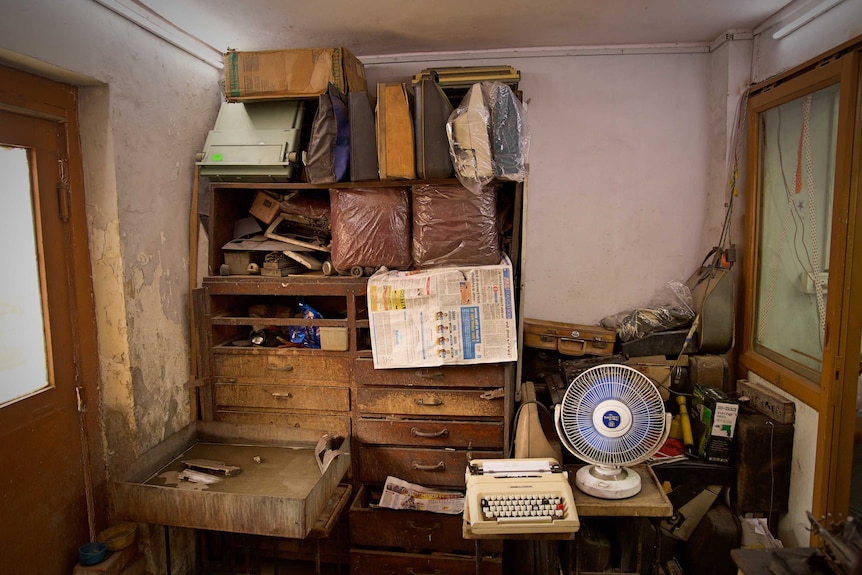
pixel 216 157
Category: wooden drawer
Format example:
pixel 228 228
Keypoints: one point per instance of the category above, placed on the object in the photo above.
pixel 372 562
pixel 332 424
pixel 437 467
pixel 430 433
pixel 267 366
pixel 427 402
pixel 410 530
pixel 483 376
pixel 274 396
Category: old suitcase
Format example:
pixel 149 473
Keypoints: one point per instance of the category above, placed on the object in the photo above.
pixel 569 338
pixel 395 145
pixel 431 113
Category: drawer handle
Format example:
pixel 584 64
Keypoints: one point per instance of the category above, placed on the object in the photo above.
pixel 282 395
pixel 430 403
pixel 442 433
pixel 412 571
pixel 430 527
pixel 273 367
pixel 440 466
pixel 425 374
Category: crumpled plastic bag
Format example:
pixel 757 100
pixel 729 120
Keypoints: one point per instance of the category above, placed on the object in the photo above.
pixel 670 308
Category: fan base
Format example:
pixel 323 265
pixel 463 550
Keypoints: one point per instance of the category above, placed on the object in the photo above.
pixel 608 482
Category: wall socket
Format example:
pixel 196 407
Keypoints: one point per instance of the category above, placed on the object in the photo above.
pixel 766 401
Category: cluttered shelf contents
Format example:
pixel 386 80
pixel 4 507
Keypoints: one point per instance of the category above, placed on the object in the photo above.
pixel 299 225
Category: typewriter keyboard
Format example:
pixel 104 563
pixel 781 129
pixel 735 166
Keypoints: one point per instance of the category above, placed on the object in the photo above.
pixel 524 508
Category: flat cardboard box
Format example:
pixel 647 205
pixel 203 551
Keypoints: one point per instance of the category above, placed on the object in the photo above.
pixel 281 495
pixel 333 338
pixel 288 74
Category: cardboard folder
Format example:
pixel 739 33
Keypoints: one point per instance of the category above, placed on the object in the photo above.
pixel 432 111
pixel 363 140
pixel 395 145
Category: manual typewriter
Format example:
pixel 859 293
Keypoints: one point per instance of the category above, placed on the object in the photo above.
pixel 519 496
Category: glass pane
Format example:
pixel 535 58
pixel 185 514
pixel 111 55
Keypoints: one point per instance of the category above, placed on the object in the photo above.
pixel 23 361
pixel 798 168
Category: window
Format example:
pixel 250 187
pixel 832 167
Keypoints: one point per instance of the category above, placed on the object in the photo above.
pixel 800 144
pixel 23 360
pixel 802 279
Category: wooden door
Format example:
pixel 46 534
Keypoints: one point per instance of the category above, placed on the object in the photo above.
pixel 45 511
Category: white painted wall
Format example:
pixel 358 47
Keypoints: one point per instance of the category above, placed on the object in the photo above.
pixel 617 185
pixel 832 28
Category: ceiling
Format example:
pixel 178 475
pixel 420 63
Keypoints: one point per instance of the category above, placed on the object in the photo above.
pixel 387 27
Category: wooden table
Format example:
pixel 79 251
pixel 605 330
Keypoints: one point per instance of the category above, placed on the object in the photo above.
pixel 651 503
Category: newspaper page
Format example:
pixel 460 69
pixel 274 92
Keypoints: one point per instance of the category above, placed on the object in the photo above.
pixel 399 494
pixel 456 315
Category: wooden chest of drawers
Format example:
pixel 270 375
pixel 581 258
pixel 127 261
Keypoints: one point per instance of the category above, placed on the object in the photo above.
pixel 412 531
pixel 424 425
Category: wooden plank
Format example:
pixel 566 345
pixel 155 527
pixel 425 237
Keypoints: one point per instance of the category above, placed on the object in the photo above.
pixel 478 376
pixel 429 432
pixel 430 467
pixel 427 402
pixel 275 396
pixel 650 502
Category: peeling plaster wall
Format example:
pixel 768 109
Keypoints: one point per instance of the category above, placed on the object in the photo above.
pixel 145 109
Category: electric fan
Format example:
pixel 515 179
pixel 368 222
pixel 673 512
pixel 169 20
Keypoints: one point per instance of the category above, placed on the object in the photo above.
pixel 612 417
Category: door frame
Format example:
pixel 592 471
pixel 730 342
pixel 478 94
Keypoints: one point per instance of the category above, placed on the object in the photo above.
pixel 31 95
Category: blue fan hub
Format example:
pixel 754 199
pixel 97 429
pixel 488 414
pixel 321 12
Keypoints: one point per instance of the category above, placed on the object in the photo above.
pixel 611 419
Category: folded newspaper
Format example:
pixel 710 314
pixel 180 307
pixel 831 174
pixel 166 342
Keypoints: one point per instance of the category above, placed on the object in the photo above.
pixel 454 315
pixel 399 494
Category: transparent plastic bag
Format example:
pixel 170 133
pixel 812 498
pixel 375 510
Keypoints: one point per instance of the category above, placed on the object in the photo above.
pixel 488 136
pixel 454 227
pixel 510 135
pixel 670 308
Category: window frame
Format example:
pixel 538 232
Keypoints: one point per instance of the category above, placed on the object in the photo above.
pixel 834 394
pixel 843 71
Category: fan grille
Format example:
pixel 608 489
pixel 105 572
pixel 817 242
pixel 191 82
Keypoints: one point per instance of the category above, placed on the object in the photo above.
pixel 596 396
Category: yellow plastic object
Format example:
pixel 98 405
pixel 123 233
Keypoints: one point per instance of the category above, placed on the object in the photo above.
pixel 675 428
pixel 685 423
pixel 118 536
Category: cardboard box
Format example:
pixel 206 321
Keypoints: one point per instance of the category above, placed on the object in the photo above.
pixel 286 74
pixel 714 423
pixel 265 208
pixel 333 338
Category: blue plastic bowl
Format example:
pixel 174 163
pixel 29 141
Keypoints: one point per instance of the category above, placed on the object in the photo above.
pixel 91 553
